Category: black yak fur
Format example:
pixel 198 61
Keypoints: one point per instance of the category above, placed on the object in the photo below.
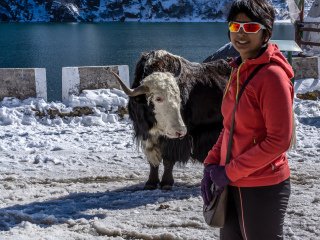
pixel 201 88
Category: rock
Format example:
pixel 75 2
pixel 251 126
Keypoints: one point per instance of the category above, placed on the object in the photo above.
pixel 315 95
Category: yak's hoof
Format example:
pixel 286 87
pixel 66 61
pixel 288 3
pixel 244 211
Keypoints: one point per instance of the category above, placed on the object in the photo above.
pixel 150 187
pixel 166 187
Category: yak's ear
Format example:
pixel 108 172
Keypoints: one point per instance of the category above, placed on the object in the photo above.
pixel 141 99
pixel 142 116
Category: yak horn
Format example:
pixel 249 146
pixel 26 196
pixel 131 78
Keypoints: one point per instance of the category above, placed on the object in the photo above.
pixel 131 92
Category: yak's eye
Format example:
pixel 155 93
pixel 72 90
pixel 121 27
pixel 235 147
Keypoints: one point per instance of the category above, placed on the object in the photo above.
pixel 159 99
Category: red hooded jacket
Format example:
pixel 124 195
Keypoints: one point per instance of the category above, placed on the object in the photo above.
pixel 263 122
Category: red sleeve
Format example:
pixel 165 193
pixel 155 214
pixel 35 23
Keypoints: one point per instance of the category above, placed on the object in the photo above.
pixel 213 156
pixel 275 97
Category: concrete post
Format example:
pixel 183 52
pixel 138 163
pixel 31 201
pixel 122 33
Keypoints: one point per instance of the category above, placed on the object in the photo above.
pixel 23 83
pixel 76 79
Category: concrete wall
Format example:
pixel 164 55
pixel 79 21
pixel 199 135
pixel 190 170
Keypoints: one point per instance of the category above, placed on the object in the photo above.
pixel 76 79
pixel 306 67
pixel 23 83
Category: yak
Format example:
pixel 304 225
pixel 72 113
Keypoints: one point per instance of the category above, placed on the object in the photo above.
pixel 174 105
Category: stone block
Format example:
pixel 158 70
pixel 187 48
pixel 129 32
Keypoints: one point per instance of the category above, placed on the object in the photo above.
pixel 23 83
pixel 76 79
pixel 306 67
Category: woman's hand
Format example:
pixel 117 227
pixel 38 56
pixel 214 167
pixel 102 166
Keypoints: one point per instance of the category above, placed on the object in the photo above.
pixel 218 176
pixel 213 174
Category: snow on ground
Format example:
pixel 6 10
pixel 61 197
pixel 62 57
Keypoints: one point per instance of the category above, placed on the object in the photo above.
pixel 82 177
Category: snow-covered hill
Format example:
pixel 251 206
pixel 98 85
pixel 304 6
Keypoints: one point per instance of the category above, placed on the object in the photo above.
pixel 121 10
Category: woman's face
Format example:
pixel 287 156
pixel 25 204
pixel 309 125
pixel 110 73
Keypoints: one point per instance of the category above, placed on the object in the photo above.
pixel 247 44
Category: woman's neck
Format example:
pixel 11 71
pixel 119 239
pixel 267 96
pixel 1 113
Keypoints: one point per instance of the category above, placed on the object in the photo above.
pixel 255 55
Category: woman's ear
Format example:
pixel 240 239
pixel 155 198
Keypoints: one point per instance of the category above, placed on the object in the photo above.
pixel 266 37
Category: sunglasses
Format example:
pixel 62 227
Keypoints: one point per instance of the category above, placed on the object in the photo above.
pixel 248 27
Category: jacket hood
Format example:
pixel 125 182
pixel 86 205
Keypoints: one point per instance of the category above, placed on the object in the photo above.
pixel 272 54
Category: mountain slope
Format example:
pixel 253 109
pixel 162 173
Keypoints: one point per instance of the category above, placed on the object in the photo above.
pixel 119 10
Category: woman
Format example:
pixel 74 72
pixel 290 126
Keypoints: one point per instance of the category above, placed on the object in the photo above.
pixel 258 173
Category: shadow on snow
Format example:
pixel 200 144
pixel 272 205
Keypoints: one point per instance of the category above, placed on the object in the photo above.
pixel 311 121
pixel 74 206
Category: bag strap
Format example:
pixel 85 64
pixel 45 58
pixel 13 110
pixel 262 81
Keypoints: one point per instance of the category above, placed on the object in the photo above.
pixel 254 72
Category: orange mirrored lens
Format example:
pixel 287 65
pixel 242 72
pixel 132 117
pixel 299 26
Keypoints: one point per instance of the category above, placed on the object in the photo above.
pixel 234 27
pixel 251 27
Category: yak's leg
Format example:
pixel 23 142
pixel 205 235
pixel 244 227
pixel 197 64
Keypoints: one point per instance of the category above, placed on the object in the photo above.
pixel 167 177
pixel 153 180
pixel 153 154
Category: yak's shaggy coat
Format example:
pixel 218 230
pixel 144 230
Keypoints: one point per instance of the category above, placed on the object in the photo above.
pixel 201 90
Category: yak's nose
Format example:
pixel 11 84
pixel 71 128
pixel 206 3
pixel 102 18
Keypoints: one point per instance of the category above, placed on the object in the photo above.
pixel 181 133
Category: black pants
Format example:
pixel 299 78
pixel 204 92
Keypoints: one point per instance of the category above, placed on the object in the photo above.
pixel 256 213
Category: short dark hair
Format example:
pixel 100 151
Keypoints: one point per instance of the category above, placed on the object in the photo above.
pixel 260 11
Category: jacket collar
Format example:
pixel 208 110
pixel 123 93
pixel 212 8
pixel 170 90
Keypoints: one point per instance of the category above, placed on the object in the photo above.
pixel 258 60
pixel 270 53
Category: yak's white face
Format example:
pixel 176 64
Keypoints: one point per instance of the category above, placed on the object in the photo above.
pixel 164 93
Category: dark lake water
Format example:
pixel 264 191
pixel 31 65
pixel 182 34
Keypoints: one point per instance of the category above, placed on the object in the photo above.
pixel 56 45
